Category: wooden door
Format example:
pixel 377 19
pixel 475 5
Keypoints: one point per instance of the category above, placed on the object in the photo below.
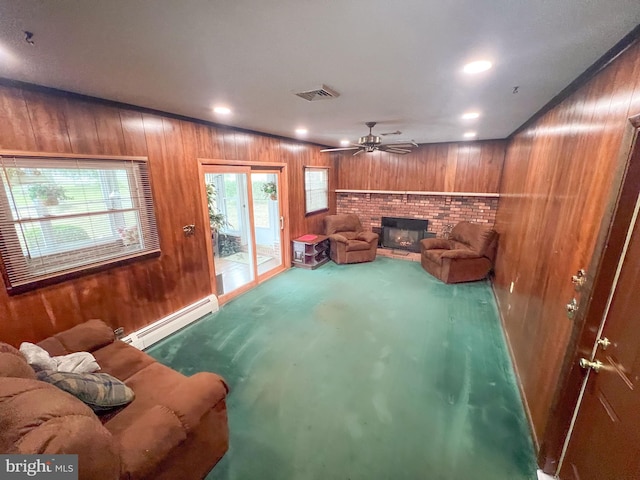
pixel 605 442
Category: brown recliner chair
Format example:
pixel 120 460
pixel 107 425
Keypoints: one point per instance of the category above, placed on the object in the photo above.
pixel 467 254
pixel 349 242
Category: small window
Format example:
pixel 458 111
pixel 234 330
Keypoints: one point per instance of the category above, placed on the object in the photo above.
pixel 316 189
pixel 62 216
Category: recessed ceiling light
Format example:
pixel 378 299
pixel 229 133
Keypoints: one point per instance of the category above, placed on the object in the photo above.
pixel 301 131
pixel 477 66
pixel 345 143
pixel 470 134
pixel 6 56
pixel 222 110
pixel 470 115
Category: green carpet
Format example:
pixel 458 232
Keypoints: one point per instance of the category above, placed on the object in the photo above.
pixel 362 372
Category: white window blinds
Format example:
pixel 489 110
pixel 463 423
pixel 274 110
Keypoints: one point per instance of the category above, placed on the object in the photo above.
pixel 316 189
pixel 60 216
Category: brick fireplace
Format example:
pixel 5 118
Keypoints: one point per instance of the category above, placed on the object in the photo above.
pixel 440 210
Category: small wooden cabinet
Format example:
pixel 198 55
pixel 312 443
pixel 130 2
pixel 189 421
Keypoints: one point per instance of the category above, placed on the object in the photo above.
pixel 310 251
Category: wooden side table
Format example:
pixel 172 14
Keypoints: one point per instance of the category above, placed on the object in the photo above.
pixel 310 251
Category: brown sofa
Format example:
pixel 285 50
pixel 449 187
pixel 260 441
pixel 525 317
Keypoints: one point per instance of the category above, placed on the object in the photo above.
pixel 467 255
pixel 349 242
pixel 175 428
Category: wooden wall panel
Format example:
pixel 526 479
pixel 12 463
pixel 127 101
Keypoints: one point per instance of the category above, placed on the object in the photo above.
pixel 265 149
pixel 133 133
pixel 135 295
pixel 14 118
pixel 443 167
pixel 48 122
pixel 81 127
pixel 556 182
pixel 229 142
pixel 206 147
pixel 110 130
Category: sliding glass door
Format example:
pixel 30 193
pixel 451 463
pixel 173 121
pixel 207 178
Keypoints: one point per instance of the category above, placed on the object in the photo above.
pixel 267 221
pixel 246 226
pixel 231 232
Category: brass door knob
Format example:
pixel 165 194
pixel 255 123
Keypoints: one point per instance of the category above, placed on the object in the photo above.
pixel 595 365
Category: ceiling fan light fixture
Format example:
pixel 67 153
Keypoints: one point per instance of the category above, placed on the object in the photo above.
pixel 369 140
pixel 371 143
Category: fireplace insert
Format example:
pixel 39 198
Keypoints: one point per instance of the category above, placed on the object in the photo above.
pixel 404 233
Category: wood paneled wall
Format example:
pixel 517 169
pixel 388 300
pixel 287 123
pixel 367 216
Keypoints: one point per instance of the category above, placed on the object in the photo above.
pixel 441 167
pixel 556 182
pixel 135 295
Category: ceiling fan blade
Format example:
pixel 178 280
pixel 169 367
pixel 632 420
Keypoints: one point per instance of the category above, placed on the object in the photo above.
pixel 338 149
pixel 399 151
pixel 358 152
pixel 402 144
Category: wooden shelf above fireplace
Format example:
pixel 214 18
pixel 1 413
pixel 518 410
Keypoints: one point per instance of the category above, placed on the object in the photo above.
pixel 409 192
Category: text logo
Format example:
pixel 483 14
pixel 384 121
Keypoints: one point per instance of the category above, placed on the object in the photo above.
pixel 50 467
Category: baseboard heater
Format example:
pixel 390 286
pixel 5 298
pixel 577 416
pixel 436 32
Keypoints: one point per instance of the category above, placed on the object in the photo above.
pixel 147 336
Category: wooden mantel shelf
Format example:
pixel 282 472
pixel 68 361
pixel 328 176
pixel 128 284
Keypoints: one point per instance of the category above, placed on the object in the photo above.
pixel 408 192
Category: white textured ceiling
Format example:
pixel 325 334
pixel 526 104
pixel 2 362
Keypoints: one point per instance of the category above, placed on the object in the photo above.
pixel 396 62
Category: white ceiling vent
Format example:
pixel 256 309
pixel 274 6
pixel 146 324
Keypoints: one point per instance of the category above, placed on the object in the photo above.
pixel 320 93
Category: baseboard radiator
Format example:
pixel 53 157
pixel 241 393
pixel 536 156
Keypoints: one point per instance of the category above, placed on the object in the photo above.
pixel 147 336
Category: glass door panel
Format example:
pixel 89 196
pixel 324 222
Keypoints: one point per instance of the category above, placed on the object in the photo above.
pixel 232 236
pixel 266 214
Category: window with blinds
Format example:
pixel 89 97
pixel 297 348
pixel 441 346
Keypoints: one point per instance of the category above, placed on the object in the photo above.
pixel 61 217
pixel 316 189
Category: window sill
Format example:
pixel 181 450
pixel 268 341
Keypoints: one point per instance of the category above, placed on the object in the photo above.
pixel 315 212
pixel 64 276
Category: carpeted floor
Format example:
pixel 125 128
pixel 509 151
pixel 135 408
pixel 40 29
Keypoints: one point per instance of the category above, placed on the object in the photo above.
pixel 369 371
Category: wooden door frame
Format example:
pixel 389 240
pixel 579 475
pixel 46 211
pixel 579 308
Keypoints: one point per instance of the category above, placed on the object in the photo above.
pixel 284 203
pixel 600 275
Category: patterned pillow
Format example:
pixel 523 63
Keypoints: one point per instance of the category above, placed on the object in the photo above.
pixel 98 390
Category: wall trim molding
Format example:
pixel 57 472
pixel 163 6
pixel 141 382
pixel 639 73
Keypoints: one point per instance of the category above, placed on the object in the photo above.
pixel 147 336
pixel 420 192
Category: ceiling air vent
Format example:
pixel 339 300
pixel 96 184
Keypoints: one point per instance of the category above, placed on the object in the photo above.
pixel 321 93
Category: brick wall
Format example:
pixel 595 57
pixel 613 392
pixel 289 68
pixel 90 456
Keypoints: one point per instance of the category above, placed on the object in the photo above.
pixel 439 210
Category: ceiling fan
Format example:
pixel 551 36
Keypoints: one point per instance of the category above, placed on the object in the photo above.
pixel 371 143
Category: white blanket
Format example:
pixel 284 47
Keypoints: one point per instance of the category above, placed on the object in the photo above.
pixel 39 359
